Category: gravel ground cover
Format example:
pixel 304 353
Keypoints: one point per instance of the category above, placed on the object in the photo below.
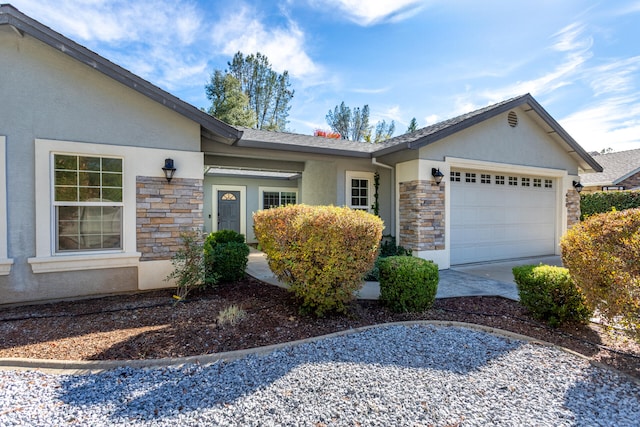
pixel 391 375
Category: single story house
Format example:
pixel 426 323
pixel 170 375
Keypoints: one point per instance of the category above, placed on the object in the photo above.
pixel 620 171
pixel 86 149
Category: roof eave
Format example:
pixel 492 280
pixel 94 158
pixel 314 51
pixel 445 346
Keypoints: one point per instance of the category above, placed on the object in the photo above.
pixel 301 148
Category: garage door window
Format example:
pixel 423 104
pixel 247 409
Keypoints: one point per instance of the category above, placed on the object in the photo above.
pixel 513 180
pixel 455 176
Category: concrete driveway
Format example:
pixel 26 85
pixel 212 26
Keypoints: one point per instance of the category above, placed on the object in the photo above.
pixel 483 279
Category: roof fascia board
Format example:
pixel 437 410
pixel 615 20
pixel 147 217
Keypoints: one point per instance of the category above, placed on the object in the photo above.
pixel 21 22
pixel 563 134
pixel 301 148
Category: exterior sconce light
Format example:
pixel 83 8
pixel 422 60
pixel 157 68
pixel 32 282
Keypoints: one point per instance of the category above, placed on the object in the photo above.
pixel 578 186
pixel 437 175
pixel 168 169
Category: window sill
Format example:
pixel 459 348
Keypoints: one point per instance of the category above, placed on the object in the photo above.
pixel 62 263
pixel 5 266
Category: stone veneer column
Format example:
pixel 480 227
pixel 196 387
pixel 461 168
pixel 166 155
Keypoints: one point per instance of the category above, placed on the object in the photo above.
pixel 421 215
pixel 572 202
pixel 164 211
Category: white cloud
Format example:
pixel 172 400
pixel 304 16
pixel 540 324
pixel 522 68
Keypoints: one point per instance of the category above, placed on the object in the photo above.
pixel 614 122
pixel 372 91
pixel 615 77
pixel 242 31
pixel 370 12
pixel 147 37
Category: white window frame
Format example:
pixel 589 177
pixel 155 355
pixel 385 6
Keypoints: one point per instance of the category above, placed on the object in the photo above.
pixel 359 175
pixel 5 262
pixel 55 204
pixel 262 190
pixel 46 259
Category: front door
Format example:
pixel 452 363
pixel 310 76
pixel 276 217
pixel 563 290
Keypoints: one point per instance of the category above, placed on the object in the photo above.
pixel 229 210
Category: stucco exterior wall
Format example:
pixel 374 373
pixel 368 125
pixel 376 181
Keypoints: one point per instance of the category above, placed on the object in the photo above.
pixel 495 141
pixel 250 187
pixel 49 97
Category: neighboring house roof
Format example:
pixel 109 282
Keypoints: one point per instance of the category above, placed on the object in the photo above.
pixel 22 24
pixel 425 136
pixel 616 168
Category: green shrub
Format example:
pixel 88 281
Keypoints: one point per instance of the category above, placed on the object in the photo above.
pixel 606 201
pixel 321 252
pixel 226 255
pixel 225 236
pixel 603 255
pixel 550 294
pixel 189 266
pixel 387 248
pixel 408 283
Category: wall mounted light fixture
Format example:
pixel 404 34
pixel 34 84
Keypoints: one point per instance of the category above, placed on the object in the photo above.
pixel 578 186
pixel 437 175
pixel 168 169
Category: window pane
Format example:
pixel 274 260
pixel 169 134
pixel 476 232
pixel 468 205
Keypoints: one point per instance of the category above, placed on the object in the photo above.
pixel 66 178
pixel 287 198
pixel 111 165
pixel 66 162
pixel 89 194
pixel 66 194
pixel 89 163
pixel 89 179
pixel 270 199
pixel 112 195
pixel 112 180
pixel 89 227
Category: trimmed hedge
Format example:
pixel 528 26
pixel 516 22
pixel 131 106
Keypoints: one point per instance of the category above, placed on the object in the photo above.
pixel 408 283
pixel 387 248
pixel 321 252
pixel 550 294
pixel 606 201
pixel 226 255
pixel 603 255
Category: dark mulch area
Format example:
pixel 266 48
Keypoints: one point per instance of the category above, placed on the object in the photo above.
pixel 151 325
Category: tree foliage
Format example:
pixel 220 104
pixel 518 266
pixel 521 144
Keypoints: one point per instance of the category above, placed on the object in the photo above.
pixel 352 124
pixel 228 102
pixel 384 131
pixel 602 254
pixel 268 93
pixel 413 125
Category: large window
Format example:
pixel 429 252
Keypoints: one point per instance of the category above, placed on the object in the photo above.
pixel 88 203
pixel 276 197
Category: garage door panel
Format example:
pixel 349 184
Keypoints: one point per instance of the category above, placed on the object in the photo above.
pixel 493 222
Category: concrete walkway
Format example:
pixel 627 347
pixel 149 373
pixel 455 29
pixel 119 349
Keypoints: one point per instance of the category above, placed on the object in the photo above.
pixel 485 279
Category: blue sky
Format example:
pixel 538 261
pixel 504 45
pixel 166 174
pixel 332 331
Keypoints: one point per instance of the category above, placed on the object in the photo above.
pixel 429 59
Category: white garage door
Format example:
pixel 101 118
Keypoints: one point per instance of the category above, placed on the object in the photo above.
pixel 498 216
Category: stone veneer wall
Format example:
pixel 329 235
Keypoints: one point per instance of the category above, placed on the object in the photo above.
pixel 164 211
pixel 632 182
pixel 422 215
pixel 572 202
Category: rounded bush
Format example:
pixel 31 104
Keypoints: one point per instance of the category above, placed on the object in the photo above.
pixel 603 256
pixel 408 283
pixel 321 252
pixel 550 294
pixel 226 255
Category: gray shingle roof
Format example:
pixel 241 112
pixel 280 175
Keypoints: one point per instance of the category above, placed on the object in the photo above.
pixel 421 137
pixel 616 168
